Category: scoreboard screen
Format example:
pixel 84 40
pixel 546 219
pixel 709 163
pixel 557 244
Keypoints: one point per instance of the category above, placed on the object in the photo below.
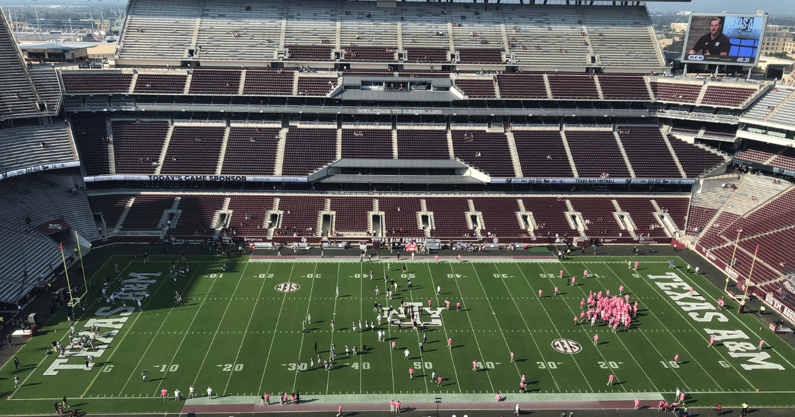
pixel 724 39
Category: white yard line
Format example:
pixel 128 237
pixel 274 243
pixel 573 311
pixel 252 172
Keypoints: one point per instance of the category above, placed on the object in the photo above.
pixel 245 333
pixel 151 342
pixel 471 327
pixel 444 328
pixel 530 332
pixel 684 383
pixel 361 313
pixel 231 299
pixel 333 316
pixel 276 326
pixel 301 346
pixel 422 362
pixel 388 345
pixel 585 330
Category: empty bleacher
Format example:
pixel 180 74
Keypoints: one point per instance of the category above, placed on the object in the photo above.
pixel 487 151
pixel 596 154
pixel 698 218
pixel 400 216
pixel 765 106
pixel 215 81
pixel 522 86
pixel 727 96
pixel 160 83
pixel 299 215
pixel 32 146
pixel 676 92
pixel 623 87
pixel 45 79
pixel 111 206
pixel 196 215
pixel 239 30
pixel 309 52
pixel 366 143
pixel 96 82
pixel 17 93
pixel 90 132
pixel 573 86
pixel 158 30
pixel 316 86
pixel 449 216
pixel 694 160
pixel 598 216
pixel 350 213
pixel 251 151
pixel 146 212
pixel 249 215
pixel 476 87
pixel 193 150
pixel 271 82
pixel 308 149
pixel 422 144
pixel 648 153
pixel 549 215
pixel 545 35
pixel 542 154
pixel 622 37
pixel 137 145
pixel 499 216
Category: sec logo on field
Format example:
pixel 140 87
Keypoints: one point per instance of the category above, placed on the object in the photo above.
pixel 567 346
pixel 287 287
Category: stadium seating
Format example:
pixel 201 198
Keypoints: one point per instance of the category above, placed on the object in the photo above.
pixel 17 92
pixel 676 92
pixel 160 83
pixel 648 153
pixel 486 151
pixel 300 215
pixel 91 137
pixel 196 214
pixel 32 146
pixel 111 206
pixel 45 79
pixel 598 216
pixel 542 154
pixel 193 150
pixel 449 218
pixel 96 82
pixel 596 154
pixel 308 53
pixel 350 213
pixel 316 86
pixel 522 86
pixel 137 145
pixel 247 141
pixel 694 160
pixel 571 86
pixel 549 216
pixel 499 216
pixel 727 96
pixel 271 82
pixel 422 144
pixel 623 87
pixel 308 149
pixel 698 218
pixel 366 143
pixel 476 88
pixel 215 82
pixel 249 215
pixel 400 216
pixel 764 107
pixel 146 212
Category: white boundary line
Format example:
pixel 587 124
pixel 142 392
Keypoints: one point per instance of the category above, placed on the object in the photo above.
pixel 245 333
pixel 585 330
pixel 303 333
pixel 276 326
pixel 231 298
pixel 471 327
pixel 452 361
pixel 538 348
pixel 135 369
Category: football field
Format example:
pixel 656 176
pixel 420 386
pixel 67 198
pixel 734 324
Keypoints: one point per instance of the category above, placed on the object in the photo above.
pixel 248 327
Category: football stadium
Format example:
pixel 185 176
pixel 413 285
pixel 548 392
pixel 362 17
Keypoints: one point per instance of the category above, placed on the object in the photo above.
pixel 372 207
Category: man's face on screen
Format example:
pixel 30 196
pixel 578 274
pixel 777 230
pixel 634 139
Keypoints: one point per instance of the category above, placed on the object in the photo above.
pixel 714 27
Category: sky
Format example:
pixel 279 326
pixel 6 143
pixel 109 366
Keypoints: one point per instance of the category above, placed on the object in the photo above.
pixel 771 7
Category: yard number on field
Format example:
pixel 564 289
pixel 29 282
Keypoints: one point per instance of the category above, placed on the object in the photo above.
pixel 418 365
pixel 611 365
pixel 228 367
pixel 548 365
pixel 456 276
pixel 172 368
pixel 266 275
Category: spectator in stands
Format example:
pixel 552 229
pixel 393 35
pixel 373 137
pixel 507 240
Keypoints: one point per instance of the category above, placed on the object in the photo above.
pixel 714 42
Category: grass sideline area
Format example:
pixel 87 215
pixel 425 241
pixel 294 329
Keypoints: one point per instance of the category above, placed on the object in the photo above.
pixel 240 332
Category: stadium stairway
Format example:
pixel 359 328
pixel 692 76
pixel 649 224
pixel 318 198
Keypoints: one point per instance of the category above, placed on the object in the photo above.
pixel 673 153
pixel 111 147
pixel 598 87
pixel 517 166
pixel 624 154
pixel 548 87
pixel 279 165
pixel 224 143
pixel 118 226
pixel 569 155
pixel 779 106
pixel 165 148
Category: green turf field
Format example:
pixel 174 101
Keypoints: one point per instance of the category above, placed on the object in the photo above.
pixel 239 334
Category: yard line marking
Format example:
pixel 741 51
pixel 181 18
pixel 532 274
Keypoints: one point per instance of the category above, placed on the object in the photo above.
pixel 679 312
pixel 444 328
pixel 278 318
pixel 333 317
pixel 116 349
pixel 251 316
pixel 466 310
pixel 153 338
pixel 389 327
pixel 422 361
pixel 750 330
pixel 301 346
pixel 531 334
pixel 65 334
pixel 361 313
pixel 684 383
pixel 207 352
pixel 585 330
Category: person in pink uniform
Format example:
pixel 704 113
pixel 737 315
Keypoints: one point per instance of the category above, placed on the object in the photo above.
pixel 585 274
pixel 620 290
pixel 575 320
pixel 164 394
pixel 521 387
pixel 636 265
pixel 539 293
pixel 637 404
pixel 450 343
pixel 393 345
pixel 458 306
pixel 339 411
pixel 561 273
pixel 676 358
pixel 397 406
pixel 711 341
pixel 436 258
pixel 439 381
pixel 459 257
pixel 582 304
pixel 761 343
pixel 511 356
pixel 610 379
pixel 573 281
pixel 595 339
pixel 682 398
pixel 498 398
pixel 411 373
pixel 429 303
pixel 474 366
pixel 447 304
